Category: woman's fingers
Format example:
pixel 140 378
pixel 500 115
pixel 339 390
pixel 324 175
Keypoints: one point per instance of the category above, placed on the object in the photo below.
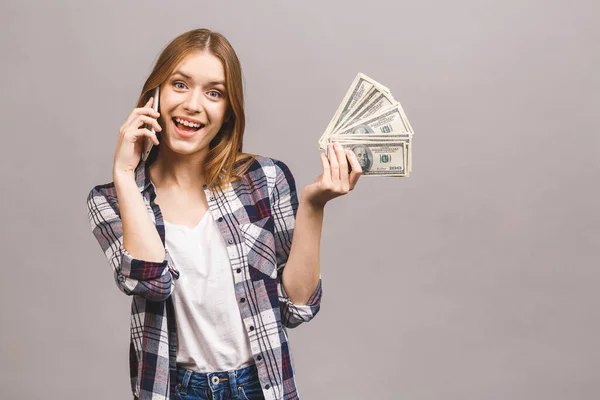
pixel 326 170
pixel 356 169
pixel 144 119
pixel 142 112
pixel 335 166
pixel 132 134
pixel 138 111
pixel 146 110
pixel 147 133
pixel 343 167
pixel 139 122
pixel 336 179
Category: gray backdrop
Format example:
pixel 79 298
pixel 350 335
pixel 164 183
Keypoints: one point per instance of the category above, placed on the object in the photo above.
pixel 475 278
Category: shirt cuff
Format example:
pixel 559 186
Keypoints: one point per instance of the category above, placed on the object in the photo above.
pixel 139 269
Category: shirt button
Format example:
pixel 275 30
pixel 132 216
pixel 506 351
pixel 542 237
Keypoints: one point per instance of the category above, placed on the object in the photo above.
pixel 259 358
pixel 220 219
pixel 211 198
pixel 243 299
pixel 230 241
pixel 267 386
pixel 251 329
pixel 121 278
pixel 238 270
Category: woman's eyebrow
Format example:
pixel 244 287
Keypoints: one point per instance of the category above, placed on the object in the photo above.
pixel 187 76
pixel 182 74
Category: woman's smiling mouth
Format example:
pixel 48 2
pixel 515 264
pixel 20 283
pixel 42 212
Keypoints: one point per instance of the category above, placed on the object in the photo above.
pixel 187 124
pixel 185 128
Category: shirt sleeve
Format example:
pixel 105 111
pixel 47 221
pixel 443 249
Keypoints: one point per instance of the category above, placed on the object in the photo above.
pixel 284 206
pixel 153 281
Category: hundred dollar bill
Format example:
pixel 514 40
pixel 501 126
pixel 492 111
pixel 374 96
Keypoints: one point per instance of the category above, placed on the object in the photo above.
pixel 347 113
pixel 380 159
pixel 407 137
pixel 350 140
pixel 387 121
pixel 359 88
pixel 372 124
pixel 375 101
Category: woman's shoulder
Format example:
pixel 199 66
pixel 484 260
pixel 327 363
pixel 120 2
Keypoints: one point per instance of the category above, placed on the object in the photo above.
pixel 106 190
pixel 264 177
pixel 269 167
pixel 102 197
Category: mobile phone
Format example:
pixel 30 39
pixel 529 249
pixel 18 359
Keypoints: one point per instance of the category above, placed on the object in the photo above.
pixel 148 141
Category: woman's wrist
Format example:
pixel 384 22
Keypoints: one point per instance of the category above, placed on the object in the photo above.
pixel 311 207
pixel 123 176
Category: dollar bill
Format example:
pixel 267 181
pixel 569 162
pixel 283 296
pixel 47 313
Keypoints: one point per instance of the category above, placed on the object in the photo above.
pixel 380 159
pixel 371 104
pixel 359 88
pixel 407 139
pixel 387 121
pixel 372 124
pixel 370 138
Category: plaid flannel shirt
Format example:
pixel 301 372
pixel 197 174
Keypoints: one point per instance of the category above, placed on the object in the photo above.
pixel 256 216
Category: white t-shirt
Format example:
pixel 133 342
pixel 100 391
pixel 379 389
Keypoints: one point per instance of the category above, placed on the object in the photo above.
pixel 210 334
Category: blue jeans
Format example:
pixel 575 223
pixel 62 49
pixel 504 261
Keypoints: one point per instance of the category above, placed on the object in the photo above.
pixel 241 384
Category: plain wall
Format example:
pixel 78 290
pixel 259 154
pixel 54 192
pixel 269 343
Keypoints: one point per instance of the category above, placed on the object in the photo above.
pixel 475 278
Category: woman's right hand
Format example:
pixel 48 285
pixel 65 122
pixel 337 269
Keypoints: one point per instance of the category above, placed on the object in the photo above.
pixel 131 138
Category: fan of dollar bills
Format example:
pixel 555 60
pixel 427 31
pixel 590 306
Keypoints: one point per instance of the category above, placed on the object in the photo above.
pixel 372 124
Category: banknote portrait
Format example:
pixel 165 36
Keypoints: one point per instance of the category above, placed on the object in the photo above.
pixel 362 129
pixel 364 155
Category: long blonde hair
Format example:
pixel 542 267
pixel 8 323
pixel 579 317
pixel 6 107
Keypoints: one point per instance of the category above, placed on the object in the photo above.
pixel 225 162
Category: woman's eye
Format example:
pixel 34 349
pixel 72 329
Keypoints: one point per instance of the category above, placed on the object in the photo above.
pixel 215 94
pixel 182 85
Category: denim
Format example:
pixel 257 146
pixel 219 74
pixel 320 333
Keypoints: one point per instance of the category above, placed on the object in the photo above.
pixel 241 384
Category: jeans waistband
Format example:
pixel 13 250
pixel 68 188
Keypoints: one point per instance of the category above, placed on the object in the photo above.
pixel 216 380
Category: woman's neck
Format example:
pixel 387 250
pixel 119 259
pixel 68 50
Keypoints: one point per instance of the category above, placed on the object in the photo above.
pixel 176 171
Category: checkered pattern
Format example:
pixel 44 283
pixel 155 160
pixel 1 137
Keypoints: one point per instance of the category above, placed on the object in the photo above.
pixel 256 217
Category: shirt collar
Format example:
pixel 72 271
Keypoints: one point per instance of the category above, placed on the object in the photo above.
pixel 142 177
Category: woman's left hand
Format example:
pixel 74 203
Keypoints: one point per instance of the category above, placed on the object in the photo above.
pixel 335 180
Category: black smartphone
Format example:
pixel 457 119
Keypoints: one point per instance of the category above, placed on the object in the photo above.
pixel 147 141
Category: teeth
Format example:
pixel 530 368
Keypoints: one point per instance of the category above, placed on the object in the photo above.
pixel 186 123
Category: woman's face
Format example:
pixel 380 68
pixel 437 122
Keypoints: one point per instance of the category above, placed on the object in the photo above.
pixel 195 94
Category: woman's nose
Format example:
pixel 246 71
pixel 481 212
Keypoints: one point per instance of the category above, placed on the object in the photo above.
pixel 193 102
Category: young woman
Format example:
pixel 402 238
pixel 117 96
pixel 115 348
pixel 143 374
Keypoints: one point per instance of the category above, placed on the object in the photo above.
pixel 200 235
